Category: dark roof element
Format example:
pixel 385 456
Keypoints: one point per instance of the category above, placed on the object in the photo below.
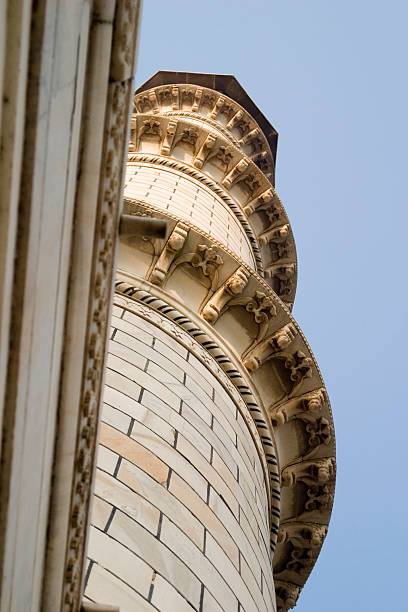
pixel 225 84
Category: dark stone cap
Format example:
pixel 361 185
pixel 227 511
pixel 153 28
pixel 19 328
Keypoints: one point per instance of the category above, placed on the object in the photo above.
pixel 223 83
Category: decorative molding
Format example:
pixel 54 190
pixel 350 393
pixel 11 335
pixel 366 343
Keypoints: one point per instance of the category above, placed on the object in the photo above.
pixel 155 304
pixel 281 276
pixel 99 306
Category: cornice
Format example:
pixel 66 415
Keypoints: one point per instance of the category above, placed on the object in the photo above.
pixel 237 123
pixel 275 235
pixel 238 308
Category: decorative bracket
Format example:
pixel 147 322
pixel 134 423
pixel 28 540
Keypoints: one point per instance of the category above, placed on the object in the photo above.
pixel 232 287
pixel 270 347
pixel 172 247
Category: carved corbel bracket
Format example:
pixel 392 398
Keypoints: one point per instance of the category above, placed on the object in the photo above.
pixel 261 202
pixel 269 348
pixel 168 137
pixel 302 535
pixel 217 106
pixel 206 259
pixel 175 98
pixel 235 118
pixel 197 99
pixel 232 287
pixel 315 472
pixel 172 247
pixel 277 235
pixel 234 174
pixel 204 151
pixel 307 404
pixel 287 595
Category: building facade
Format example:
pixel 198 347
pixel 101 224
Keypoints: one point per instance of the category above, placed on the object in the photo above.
pixel 215 472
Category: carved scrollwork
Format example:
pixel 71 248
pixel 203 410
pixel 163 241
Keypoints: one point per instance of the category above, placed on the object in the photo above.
pixel 206 259
pixel 313 473
pixel 172 247
pixel 219 301
pixel 271 347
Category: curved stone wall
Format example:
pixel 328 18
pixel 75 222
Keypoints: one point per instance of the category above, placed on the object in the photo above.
pixel 180 515
pixel 171 191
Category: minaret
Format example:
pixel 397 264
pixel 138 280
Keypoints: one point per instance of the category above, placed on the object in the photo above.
pixel 216 465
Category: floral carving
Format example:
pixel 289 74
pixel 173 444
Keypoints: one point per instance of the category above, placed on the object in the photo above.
pixel 299 365
pixel 188 135
pixel 205 259
pixel 284 275
pixel 319 498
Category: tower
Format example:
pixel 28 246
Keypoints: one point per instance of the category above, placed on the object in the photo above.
pixel 216 462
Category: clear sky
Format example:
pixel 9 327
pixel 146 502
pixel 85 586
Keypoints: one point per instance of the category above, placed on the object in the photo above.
pixel 331 76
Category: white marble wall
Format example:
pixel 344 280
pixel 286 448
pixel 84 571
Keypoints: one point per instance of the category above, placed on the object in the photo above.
pixel 170 191
pixel 180 516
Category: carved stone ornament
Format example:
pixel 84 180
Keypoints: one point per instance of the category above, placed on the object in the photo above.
pixel 204 151
pixel 149 127
pixel 278 235
pixel 317 472
pixel 168 137
pixel 270 347
pixel 205 259
pixel 232 176
pixel 262 307
pixel 302 535
pixel 287 595
pixel 232 287
pixel 172 247
pixel 265 199
pixel 309 403
pixel 285 276
pixel 319 498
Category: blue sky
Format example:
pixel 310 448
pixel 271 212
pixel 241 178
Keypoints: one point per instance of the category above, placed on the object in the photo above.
pixel 331 76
